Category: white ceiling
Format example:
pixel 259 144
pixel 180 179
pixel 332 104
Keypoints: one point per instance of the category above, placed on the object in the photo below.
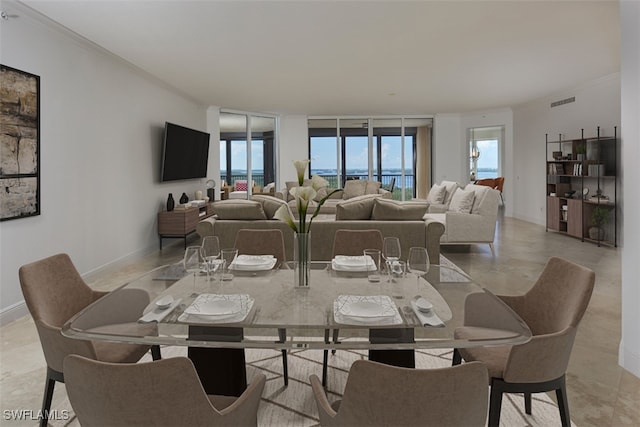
pixel 355 57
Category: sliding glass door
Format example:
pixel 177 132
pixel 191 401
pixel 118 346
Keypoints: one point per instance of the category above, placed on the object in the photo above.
pixel 388 150
pixel 247 148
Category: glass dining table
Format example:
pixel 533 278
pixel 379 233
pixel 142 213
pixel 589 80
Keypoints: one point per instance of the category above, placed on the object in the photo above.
pixel 263 309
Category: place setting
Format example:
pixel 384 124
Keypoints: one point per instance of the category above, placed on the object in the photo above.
pixel 366 309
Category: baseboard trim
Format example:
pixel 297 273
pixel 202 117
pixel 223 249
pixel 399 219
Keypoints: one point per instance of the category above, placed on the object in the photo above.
pixel 629 360
pixel 13 313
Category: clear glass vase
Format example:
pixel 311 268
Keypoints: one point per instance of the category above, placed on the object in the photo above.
pixel 302 259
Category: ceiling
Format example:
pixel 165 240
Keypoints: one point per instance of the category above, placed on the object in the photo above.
pixel 355 57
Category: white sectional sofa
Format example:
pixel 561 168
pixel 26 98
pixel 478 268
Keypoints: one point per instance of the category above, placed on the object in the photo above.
pixel 476 227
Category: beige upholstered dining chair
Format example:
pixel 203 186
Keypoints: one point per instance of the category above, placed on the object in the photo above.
pixel 261 242
pixel 163 393
pixel 265 242
pixel 350 243
pixel 354 242
pixel 55 292
pixel 383 395
pixel 552 309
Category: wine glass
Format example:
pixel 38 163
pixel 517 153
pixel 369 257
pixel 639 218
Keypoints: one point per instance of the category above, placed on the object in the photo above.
pixel 391 251
pixel 194 262
pixel 418 263
pixel 211 252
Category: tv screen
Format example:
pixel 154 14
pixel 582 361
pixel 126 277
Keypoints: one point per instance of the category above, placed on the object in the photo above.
pixel 185 153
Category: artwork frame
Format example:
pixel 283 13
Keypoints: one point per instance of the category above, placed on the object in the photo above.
pixel 19 144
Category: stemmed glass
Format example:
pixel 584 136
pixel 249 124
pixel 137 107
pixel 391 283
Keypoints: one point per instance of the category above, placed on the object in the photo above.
pixel 211 252
pixel 418 263
pixel 391 252
pixel 194 262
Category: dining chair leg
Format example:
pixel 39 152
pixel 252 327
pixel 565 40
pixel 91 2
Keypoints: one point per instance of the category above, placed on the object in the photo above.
pixel 49 385
pixel 155 352
pixel 325 359
pixel 457 358
pixel 336 334
pixel 563 404
pixel 282 336
pixel 495 404
pixel 527 403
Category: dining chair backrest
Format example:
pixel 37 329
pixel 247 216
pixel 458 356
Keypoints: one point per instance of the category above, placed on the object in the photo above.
pixel 261 242
pixel 53 289
pixel 354 242
pixel 380 394
pixel 167 392
pixel 559 298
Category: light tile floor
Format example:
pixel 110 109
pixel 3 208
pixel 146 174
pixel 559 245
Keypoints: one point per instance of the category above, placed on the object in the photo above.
pixel 601 393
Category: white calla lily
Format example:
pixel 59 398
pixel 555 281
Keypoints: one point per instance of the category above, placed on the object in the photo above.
pixel 284 214
pixel 301 167
pixel 318 182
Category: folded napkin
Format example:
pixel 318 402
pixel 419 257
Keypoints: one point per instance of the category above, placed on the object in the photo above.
pixel 427 319
pixel 158 314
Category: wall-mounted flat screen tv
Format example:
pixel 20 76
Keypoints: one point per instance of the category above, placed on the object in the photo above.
pixel 185 153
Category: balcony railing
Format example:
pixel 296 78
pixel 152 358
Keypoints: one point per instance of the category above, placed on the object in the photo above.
pixel 333 182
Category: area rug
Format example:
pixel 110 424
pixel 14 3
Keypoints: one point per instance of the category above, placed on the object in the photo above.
pixel 295 406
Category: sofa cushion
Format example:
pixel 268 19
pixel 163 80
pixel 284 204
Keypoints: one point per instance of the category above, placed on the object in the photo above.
pixel 462 201
pixel 354 188
pixel 451 187
pixel 359 207
pixel 436 195
pixel 239 209
pixel 393 210
pixel 480 192
pixel 270 204
pixel 372 187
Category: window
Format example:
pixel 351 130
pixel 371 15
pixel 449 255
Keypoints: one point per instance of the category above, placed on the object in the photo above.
pixel 485 152
pixel 342 149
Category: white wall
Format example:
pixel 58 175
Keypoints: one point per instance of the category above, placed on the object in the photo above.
pixel 629 355
pixel 213 128
pixel 293 145
pixel 448 149
pixel 597 104
pixel 101 135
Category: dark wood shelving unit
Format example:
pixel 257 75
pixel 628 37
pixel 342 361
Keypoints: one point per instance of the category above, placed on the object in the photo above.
pixel 179 223
pixel 582 174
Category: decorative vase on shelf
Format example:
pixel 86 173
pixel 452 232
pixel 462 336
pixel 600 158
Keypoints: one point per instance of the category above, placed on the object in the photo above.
pixel 170 202
pixel 302 259
pixel 184 198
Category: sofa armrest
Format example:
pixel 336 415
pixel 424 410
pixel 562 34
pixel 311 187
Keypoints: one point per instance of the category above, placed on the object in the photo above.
pixel 434 231
pixel 470 228
pixel 205 227
pixel 438 208
pixel 279 195
pixel 386 194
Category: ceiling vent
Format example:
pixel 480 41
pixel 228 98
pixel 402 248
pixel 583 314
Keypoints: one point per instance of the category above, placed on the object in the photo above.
pixel 563 101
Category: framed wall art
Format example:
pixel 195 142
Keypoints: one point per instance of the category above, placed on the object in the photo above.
pixel 19 144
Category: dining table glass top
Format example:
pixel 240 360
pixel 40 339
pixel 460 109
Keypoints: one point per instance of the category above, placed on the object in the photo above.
pixel 165 306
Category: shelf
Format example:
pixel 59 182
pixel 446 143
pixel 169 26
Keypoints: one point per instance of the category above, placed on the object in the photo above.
pixel 593 163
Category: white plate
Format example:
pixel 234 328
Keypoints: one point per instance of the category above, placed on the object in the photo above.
pixel 364 309
pixel 352 263
pixel 216 307
pixel 253 259
pixel 265 264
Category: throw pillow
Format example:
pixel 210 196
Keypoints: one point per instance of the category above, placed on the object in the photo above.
pixel 462 201
pixel 240 185
pixel 372 187
pixel 450 187
pixel 355 208
pixel 393 210
pixel 354 188
pixel 239 209
pixel 436 195
pixel 270 204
